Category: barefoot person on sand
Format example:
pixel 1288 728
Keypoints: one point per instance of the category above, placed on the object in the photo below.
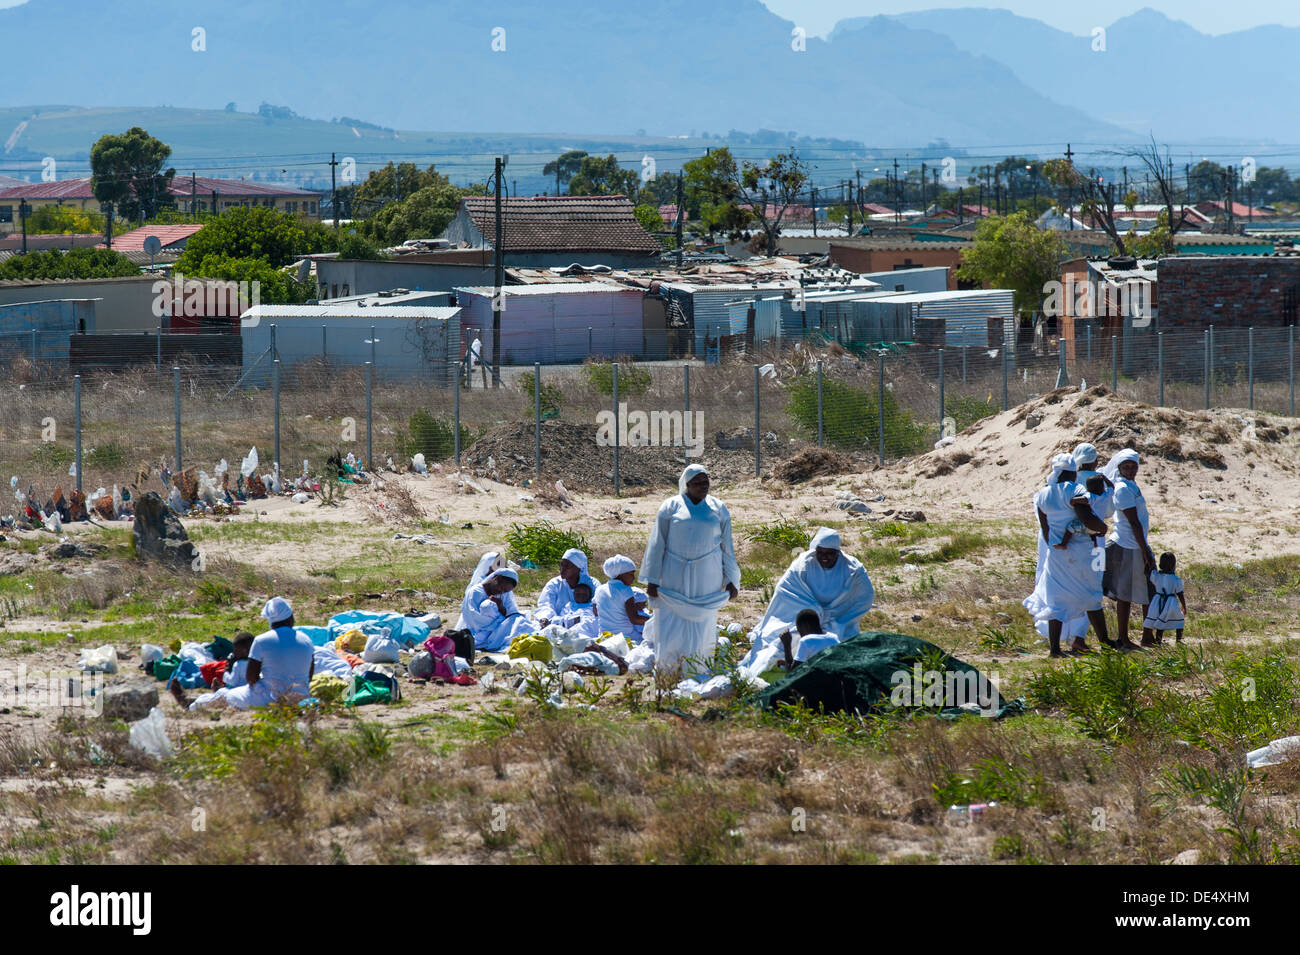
pixel 1129 560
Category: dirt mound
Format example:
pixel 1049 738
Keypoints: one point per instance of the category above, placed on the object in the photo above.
pixel 810 463
pixel 1007 455
pixel 571 454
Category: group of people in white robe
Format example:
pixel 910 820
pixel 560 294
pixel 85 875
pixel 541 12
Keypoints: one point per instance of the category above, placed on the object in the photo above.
pixel 690 572
pixel 1083 559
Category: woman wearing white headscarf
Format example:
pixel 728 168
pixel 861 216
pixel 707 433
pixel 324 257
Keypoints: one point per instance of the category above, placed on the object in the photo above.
pixel 490 613
pixel 690 571
pixel 1070 573
pixel 1129 560
pixel 822 579
pixel 492 560
pixel 558 592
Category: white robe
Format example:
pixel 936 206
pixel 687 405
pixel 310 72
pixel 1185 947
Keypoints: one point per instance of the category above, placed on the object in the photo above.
pixel 1070 583
pixel 482 617
pixel 840 596
pixel 557 595
pixel 690 556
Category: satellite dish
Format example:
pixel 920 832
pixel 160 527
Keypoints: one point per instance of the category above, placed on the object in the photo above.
pixel 152 244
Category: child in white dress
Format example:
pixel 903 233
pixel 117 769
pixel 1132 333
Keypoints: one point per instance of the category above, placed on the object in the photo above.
pixel 1167 609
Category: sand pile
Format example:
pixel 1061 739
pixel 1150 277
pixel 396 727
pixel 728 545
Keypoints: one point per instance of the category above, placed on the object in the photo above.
pixel 1221 452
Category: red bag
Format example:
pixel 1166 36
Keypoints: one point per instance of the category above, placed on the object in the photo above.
pixel 443 651
pixel 210 671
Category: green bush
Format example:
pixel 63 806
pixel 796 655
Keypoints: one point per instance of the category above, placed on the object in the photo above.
pixel 632 379
pixel 551 395
pixel 542 543
pixel 109 455
pixel 784 533
pixel 851 418
pixel 965 410
pixel 430 436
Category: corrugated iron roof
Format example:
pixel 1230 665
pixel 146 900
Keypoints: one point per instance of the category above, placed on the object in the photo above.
pixel 563 224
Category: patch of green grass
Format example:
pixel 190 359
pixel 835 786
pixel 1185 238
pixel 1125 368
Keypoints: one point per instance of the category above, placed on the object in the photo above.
pixel 542 542
pixel 108 456
pixel 784 533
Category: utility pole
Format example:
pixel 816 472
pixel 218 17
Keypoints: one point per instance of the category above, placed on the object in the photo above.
pixel 898 195
pixel 862 213
pixel 922 188
pixel 1069 207
pixel 681 214
pixel 934 178
pixel 194 191
pixel 334 192
pixel 24 210
pixel 814 209
pixel 850 208
pixel 498 295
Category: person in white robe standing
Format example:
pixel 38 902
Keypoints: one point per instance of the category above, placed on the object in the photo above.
pixel 490 613
pixel 690 571
pixel 1069 585
pixel 558 592
pixel 822 579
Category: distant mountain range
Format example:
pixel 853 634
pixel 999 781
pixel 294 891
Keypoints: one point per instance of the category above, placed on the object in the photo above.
pixel 983 79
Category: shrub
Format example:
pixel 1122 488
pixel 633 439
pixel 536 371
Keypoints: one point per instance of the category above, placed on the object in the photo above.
pixel 551 395
pixel 965 410
pixel 542 542
pixel 430 436
pixel 851 417
pixel 108 456
pixel 783 533
pixel 632 379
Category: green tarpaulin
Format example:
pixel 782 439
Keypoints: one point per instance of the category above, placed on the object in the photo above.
pixel 875 671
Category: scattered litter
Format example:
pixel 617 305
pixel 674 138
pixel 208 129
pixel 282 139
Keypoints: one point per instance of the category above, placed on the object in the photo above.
pixel 98 660
pixel 150 735
pixel 1278 751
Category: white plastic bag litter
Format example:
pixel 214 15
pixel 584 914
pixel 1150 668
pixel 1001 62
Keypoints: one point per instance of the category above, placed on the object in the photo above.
pixel 641 659
pixel 150 652
pixel 249 465
pixel 150 734
pixel 302 497
pixel 565 641
pixel 1278 751
pixel 99 659
pixel 617 645
pixel 381 648
pixel 198 652
pixel 418 465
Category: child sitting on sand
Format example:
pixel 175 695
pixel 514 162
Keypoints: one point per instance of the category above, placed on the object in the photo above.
pixel 1167 609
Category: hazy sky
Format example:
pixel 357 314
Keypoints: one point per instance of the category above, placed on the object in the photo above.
pixel 1208 16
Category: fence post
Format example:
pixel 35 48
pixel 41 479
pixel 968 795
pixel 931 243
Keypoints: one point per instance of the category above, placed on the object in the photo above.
pixel 160 349
pixel 589 344
pixel 941 385
pixel 374 341
pixel 1062 378
pixel 1290 364
pixel 455 404
pixel 1089 343
pixel 275 402
pixel 1114 364
pixel 1250 366
pixel 1004 368
pixel 758 438
pixel 537 418
pixel 35 350
pixel 324 343
pixel 370 385
pixel 76 421
pixel 1209 362
pixel 880 407
pixel 963 364
pixel 686 389
pixel 617 424
pixel 176 407
pixel 1160 368
pixel 821 430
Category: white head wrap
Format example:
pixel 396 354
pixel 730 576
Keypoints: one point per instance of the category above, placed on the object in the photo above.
pixel 617 566
pixel 1062 462
pixel 504 572
pixel 826 537
pixel 489 562
pixel 1111 470
pixel 1085 454
pixel 692 471
pixel 576 557
pixel 277 610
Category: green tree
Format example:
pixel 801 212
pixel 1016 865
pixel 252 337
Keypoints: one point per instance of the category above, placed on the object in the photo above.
pixel 425 214
pixel 127 170
pixel 257 232
pixel 395 183
pixel 602 176
pixel 274 286
pixel 64 220
pixel 564 167
pixel 649 218
pixel 353 246
pixel 728 193
pixel 79 263
pixel 1014 253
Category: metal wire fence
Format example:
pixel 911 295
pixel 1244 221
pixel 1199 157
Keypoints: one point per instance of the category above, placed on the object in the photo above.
pixel 607 426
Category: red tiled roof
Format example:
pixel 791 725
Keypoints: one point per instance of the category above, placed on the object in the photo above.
pixel 1239 209
pixel 876 209
pixel 168 235
pixel 180 188
pixel 563 223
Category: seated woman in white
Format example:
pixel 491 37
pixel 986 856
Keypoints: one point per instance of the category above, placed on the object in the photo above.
pixel 489 611
pixel 557 593
pixel 492 560
pixel 617 601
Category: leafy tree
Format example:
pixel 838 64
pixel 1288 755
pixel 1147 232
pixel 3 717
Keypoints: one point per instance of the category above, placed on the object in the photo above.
pixel 78 263
pixel 64 220
pixel 257 232
pixel 649 218
pixel 1205 182
pixel 564 167
pixel 602 176
pixel 127 170
pixel 729 194
pixel 396 183
pixel 1096 198
pixel 661 190
pixel 274 286
pixel 425 214
pixel 1014 253
pixel 353 246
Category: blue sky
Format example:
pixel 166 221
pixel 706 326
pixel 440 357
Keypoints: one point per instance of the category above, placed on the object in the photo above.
pixel 1208 16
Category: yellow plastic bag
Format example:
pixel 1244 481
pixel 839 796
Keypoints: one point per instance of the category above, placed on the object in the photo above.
pixel 530 646
pixel 354 641
pixel 328 688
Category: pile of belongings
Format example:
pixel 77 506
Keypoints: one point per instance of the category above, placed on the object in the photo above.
pixel 58 509
pixel 876 671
